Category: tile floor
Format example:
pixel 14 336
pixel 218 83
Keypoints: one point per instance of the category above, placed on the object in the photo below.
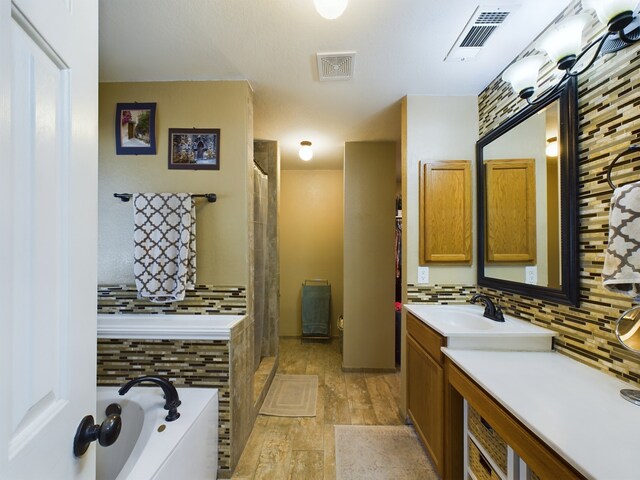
pixel 303 448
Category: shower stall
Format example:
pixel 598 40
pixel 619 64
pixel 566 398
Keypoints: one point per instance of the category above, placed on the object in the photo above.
pixel 266 276
pixel 260 245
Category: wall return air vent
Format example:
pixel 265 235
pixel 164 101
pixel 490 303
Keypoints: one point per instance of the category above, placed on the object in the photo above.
pixel 482 24
pixel 335 66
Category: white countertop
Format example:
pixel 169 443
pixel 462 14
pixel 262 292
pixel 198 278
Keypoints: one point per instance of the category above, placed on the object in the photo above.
pixel 167 326
pixel 465 328
pixel 575 409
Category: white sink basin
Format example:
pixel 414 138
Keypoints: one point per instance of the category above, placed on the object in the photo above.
pixel 459 318
pixel 465 327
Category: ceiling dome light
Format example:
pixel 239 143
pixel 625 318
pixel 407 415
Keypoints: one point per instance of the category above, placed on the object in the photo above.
pixel 523 75
pixel 305 153
pixel 616 14
pixel 563 41
pixel 330 9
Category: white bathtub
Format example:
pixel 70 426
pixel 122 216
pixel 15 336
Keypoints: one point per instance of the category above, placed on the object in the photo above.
pixel 149 447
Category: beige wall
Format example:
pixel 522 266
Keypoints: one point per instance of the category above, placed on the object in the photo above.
pixel 369 262
pixel 436 128
pixel 222 227
pixel 310 241
pixel 433 128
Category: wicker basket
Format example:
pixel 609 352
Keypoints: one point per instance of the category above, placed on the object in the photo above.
pixel 532 476
pixel 488 439
pixel 479 465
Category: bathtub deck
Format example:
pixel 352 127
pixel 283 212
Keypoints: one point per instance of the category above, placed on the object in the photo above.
pixel 303 448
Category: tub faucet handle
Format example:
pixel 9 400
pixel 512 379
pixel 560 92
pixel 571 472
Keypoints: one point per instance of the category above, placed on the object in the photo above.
pixel 172 401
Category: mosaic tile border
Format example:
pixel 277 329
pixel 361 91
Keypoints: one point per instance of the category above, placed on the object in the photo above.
pixel 608 101
pixel 204 300
pixel 442 294
pixel 190 363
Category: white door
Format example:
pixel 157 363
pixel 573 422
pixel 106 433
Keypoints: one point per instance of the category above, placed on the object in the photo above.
pixel 48 196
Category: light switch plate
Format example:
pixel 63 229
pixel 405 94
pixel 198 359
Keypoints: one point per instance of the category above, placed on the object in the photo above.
pixel 423 275
pixel 531 275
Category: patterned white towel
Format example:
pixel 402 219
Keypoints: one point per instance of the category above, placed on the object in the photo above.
pixel 621 272
pixel 164 258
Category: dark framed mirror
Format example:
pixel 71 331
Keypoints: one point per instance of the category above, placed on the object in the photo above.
pixel 528 201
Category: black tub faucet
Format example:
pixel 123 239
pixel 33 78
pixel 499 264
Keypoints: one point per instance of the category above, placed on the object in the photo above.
pixel 491 310
pixel 172 401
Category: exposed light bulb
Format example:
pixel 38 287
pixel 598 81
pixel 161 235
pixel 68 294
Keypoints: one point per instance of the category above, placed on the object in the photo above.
pixel 330 9
pixel 305 153
pixel 552 147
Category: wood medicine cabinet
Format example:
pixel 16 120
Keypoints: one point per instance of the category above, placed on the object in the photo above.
pixel 445 212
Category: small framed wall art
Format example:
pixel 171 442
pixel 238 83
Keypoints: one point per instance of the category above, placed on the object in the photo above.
pixel 136 129
pixel 194 148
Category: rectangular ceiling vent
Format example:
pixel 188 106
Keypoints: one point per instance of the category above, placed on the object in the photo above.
pixel 335 66
pixel 482 24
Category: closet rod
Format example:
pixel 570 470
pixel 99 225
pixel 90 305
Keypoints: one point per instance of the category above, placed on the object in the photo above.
pixel 211 197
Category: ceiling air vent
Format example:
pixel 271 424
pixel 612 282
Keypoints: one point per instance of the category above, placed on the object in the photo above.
pixel 335 66
pixel 484 21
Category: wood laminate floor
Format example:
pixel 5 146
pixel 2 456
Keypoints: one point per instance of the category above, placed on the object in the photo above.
pixel 303 448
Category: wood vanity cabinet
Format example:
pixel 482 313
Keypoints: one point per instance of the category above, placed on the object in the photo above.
pixel 425 387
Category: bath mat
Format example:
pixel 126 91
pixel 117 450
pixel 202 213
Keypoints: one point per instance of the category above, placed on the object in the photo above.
pixel 291 396
pixel 380 453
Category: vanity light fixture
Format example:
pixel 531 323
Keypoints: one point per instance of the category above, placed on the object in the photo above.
pixel 330 9
pixel 305 153
pixel 562 44
pixel 552 147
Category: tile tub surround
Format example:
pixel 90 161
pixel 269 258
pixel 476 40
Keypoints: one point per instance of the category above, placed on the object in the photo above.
pixel 608 101
pixel 205 299
pixel 199 363
pixel 210 363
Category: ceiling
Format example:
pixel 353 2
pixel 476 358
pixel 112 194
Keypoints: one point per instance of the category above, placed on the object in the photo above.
pixel 400 46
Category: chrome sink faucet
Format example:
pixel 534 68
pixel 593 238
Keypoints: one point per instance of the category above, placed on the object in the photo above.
pixel 172 401
pixel 491 310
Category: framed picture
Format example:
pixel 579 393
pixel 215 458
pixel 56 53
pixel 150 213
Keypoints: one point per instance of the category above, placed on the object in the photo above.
pixel 136 129
pixel 194 148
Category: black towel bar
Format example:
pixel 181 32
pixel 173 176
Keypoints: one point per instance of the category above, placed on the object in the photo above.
pixel 211 197
pixel 628 151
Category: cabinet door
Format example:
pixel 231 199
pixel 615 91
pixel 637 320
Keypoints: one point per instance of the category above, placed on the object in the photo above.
pixel 445 212
pixel 511 210
pixel 425 399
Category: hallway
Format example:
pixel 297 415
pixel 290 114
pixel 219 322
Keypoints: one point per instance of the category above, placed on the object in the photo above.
pixel 303 448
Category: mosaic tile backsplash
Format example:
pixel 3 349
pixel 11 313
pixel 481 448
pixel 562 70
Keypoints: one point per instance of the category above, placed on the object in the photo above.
pixel 442 294
pixel 204 300
pixel 609 121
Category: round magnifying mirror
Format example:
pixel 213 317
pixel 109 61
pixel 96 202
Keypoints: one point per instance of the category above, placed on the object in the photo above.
pixel 628 329
pixel 628 333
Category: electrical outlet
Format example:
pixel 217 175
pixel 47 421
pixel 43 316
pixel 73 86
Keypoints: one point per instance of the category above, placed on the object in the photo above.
pixel 531 275
pixel 423 275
